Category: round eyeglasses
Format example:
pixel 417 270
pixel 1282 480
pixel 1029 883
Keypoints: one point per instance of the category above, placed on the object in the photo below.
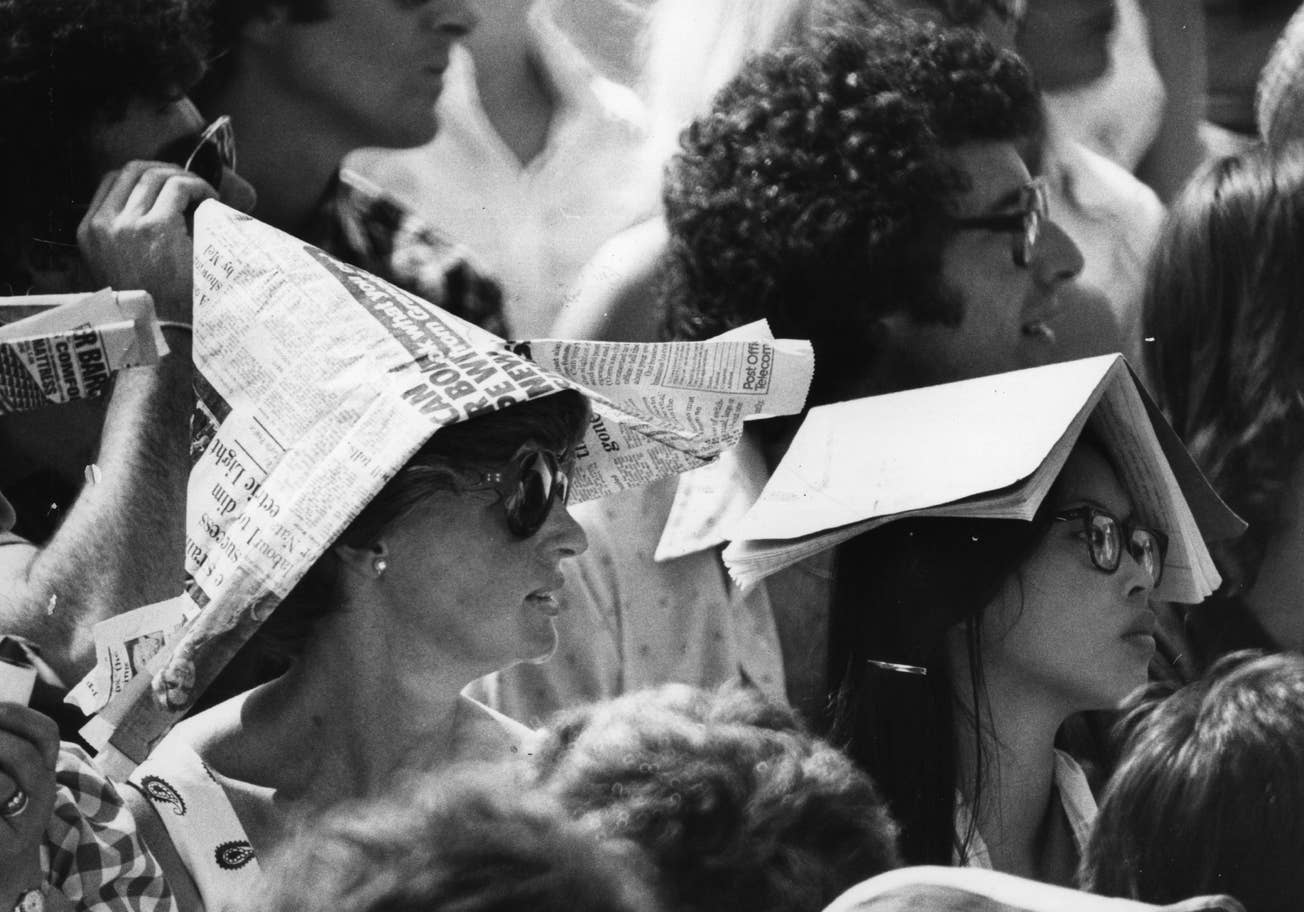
pixel 1106 537
pixel 1024 225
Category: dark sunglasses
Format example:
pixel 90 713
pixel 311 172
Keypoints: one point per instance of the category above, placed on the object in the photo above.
pixel 1106 537
pixel 1025 225
pixel 529 487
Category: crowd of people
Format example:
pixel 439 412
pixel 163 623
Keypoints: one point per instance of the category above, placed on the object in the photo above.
pixel 480 699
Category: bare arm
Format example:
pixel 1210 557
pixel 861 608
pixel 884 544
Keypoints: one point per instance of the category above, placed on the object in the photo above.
pixel 1177 42
pixel 617 296
pixel 122 542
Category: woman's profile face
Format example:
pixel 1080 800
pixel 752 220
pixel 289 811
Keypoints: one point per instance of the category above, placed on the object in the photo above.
pixel 457 578
pixel 1062 626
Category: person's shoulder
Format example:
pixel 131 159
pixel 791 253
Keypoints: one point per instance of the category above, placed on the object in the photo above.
pixel 1109 189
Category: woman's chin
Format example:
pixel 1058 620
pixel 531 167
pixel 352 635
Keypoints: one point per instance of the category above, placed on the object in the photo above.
pixel 540 648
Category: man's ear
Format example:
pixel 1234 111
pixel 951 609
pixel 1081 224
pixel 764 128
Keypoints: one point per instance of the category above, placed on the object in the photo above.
pixel 886 337
pixel 266 27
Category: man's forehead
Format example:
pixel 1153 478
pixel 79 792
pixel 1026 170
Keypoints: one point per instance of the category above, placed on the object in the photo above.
pixel 995 177
pixel 147 126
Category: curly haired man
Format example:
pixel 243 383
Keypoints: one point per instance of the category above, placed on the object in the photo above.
pixel 863 190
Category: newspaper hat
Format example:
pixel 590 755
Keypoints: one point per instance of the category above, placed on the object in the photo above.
pixel 941 889
pixel 1279 96
pixel 317 381
pixel 858 464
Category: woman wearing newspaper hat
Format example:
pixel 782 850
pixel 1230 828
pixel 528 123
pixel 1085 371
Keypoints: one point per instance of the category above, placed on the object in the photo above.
pixel 451 572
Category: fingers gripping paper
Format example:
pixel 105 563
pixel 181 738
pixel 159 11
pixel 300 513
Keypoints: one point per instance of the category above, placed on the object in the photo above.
pixel 316 382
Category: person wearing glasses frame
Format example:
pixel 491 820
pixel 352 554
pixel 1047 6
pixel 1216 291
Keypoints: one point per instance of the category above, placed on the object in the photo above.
pixel 452 571
pixel 98 184
pixel 962 646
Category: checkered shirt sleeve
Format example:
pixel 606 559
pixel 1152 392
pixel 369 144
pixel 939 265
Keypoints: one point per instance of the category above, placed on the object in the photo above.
pixel 96 857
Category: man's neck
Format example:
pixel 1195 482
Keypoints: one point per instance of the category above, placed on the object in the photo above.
pixel 288 152
pixel 513 91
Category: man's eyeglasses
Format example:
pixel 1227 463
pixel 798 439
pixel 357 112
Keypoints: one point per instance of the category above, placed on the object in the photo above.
pixel 1025 225
pixel 207 157
pixel 529 487
pixel 1107 536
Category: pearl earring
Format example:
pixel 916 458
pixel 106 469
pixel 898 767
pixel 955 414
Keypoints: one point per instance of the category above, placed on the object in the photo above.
pixel 380 565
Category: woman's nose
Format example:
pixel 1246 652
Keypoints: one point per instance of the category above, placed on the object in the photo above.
pixel 564 533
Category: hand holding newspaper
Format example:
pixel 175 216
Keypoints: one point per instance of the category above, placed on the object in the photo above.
pixel 57 348
pixel 317 381
pixel 988 447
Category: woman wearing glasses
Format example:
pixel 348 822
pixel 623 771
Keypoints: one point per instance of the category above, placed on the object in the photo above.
pixel 450 573
pixel 961 646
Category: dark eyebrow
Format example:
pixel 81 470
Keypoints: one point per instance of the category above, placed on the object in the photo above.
pixel 1007 200
pixel 1088 502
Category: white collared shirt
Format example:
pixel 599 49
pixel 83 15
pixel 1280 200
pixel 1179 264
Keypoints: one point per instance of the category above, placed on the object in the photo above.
pixel 535 224
pixel 1074 795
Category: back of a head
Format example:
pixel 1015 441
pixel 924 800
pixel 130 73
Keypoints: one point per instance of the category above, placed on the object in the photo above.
pixel 818 190
pixel 66 68
pixel 1209 795
pixel 735 804
pixel 1227 357
pixel 458 842
pixel 1279 96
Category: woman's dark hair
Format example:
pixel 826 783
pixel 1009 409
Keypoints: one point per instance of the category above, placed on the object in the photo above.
pixel 817 192
pixel 67 68
pixel 1209 797
pixel 555 422
pixel 899 590
pixel 1225 306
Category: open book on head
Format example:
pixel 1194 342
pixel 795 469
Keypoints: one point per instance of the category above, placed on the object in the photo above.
pixel 990 447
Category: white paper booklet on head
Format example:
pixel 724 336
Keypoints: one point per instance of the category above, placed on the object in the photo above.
pixel 987 447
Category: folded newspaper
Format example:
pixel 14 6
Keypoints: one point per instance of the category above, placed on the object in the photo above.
pixel 989 447
pixel 316 381
pixel 57 348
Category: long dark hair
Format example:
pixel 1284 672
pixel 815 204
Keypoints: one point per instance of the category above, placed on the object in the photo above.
pixel 899 590
pixel 1225 307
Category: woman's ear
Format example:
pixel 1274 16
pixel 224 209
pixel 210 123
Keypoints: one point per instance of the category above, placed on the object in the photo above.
pixel 367 560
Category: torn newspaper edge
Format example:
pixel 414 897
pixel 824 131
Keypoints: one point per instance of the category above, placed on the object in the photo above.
pixel 58 348
pixel 317 381
pixel 989 447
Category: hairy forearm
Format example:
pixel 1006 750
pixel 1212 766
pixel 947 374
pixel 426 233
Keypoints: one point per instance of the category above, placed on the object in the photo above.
pixel 122 543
